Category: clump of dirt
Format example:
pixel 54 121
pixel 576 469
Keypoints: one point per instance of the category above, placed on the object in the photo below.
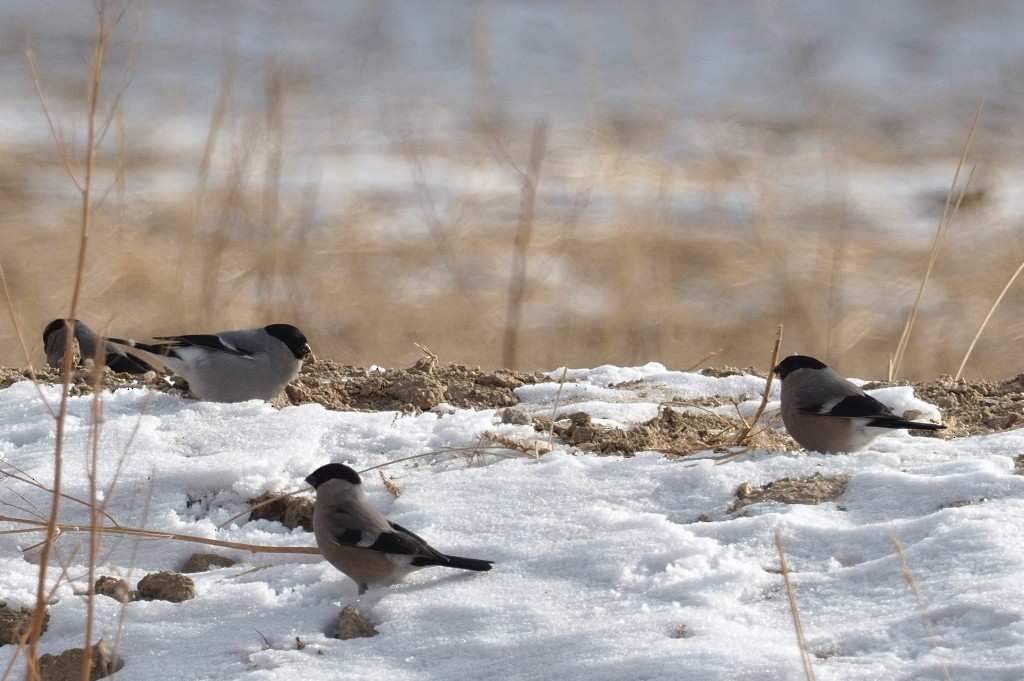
pixel 814 489
pixel 724 371
pixel 115 588
pixel 166 586
pixel 201 562
pixel 672 432
pixel 15 622
pixel 291 511
pixel 68 665
pixel 420 387
pixel 352 623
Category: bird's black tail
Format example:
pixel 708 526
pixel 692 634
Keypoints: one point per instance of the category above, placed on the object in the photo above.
pixel 901 423
pixel 454 562
pixel 159 349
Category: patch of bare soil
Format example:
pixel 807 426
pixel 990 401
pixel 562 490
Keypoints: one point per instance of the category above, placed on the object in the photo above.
pixel 84 378
pixel 724 371
pixel 973 407
pixel 672 432
pixel 419 387
pixel 814 489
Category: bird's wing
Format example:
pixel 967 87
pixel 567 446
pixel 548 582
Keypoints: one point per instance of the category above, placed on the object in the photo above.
pixel 852 407
pixel 205 340
pixel 396 542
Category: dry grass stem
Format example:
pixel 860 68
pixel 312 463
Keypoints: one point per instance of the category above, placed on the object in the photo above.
pixel 922 610
pixel 805 654
pixel 944 222
pixel 554 407
pixel 533 448
pixel 107 20
pixel 121 530
pixel 703 360
pixel 520 252
pixel 984 323
pixel 16 474
pixel 767 389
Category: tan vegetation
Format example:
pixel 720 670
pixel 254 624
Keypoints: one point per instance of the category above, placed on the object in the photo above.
pixel 603 251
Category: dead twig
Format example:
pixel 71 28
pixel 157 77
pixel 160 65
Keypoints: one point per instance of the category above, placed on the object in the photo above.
pixel 805 654
pixel 767 389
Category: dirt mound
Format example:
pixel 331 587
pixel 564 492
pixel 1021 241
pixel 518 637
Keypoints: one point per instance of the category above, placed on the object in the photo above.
pixel 84 378
pixel 973 407
pixel 419 387
pixel 672 432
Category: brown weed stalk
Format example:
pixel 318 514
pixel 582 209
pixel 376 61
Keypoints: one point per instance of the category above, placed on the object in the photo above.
pixel 949 212
pixel 530 178
pixel 805 655
pixel 107 20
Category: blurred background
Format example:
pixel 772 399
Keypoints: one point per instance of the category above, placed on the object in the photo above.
pixel 524 184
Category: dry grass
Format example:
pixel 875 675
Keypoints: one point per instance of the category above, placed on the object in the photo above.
pixel 639 274
pixel 949 212
pixel 922 609
pixel 649 238
pixel 805 654
pixel 627 286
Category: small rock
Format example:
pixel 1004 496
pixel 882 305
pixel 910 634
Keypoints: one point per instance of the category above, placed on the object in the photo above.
pixel 517 417
pixel 115 588
pixel 14 623
pixel 353 624
pixel 68 665
pixel 201 562
pixel 167 586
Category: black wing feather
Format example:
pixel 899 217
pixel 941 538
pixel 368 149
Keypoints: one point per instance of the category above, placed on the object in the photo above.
pixel 386 542
pixel 856 406
pixel 204 340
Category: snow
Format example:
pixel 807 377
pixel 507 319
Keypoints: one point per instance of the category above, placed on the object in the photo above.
pixel 598 560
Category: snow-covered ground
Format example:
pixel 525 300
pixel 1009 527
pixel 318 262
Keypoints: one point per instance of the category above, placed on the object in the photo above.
pixel 599 561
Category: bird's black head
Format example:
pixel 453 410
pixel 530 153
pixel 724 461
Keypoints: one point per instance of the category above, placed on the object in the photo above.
pixel 332 471
pixel 55 325
pixel 794 362
pixel 291 337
